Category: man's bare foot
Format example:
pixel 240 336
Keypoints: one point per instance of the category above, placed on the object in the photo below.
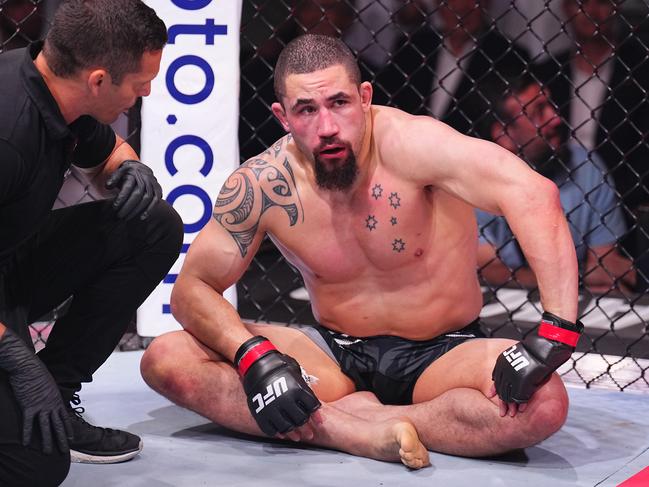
pixel 399 441
pixel 413 453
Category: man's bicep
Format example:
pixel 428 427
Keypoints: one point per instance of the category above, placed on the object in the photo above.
pixel 215 258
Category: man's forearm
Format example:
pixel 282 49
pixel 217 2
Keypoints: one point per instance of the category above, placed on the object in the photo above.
pixel 121 152
pixel 542 231
pixel 208 316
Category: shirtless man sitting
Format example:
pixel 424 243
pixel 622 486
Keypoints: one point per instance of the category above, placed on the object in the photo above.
pixel 375 208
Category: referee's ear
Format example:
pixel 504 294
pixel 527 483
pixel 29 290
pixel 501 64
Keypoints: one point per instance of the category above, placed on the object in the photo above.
pixel 98 79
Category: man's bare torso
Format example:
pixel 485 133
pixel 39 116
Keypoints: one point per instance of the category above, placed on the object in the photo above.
pixel 393 258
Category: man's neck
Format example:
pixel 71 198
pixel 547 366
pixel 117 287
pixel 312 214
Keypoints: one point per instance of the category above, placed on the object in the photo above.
pixel 66 92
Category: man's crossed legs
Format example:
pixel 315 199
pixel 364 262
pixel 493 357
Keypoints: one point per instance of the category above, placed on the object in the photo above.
pixel 452 411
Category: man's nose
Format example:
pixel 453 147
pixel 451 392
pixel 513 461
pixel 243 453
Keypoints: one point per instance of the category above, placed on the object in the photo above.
pixel 327 127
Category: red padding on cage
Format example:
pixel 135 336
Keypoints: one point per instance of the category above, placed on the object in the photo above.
pixel 551 332
pixel 252 355
pixel 641 479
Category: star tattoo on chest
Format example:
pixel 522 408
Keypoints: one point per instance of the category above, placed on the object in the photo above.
pixel 393 220
pixel 398 245
pixel 395 201
pixel 377 191
pixel 371 222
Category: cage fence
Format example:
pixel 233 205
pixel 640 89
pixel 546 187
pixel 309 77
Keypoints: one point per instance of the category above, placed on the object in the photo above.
pixel 561 83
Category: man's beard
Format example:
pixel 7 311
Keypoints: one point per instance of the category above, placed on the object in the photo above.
pixel 338 178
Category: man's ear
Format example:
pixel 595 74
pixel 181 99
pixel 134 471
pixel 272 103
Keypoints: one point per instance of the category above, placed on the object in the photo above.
pixel 97 79
pixel 366 91
pixel 280 114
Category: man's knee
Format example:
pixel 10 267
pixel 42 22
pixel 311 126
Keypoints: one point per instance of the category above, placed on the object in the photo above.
pixel 551 410
pixel 545 415
pixel 162 367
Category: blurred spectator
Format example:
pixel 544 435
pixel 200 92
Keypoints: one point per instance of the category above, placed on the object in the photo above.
pixel 539 26
pixel 526 123
pixel 377 28
pixel 441 72
pixel 20 23
pixel 600 88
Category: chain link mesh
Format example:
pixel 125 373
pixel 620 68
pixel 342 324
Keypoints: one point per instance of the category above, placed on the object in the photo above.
pixel 457 60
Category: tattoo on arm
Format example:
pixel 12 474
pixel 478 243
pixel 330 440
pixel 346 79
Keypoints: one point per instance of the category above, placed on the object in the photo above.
pixel 251 190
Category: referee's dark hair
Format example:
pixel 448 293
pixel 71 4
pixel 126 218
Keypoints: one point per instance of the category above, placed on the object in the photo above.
pixel 108 34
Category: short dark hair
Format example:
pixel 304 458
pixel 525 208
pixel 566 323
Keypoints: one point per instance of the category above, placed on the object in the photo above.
pixel 112 34
pixel 312 52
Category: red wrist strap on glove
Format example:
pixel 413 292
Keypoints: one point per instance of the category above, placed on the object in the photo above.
pixel 253 354
pixel 552 332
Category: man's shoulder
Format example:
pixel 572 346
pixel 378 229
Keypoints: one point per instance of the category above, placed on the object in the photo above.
pixel 395 128
pixel 276 165
pixel 278 154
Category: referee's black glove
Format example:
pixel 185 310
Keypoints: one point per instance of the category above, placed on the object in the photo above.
pixel 139 190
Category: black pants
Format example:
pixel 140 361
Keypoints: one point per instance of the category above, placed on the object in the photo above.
pixel 109 267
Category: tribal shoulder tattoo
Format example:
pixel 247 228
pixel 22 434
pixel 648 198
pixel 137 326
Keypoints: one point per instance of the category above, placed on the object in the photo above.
pixel 253 188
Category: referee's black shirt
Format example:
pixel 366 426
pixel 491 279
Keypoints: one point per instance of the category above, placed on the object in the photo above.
pixel 37 148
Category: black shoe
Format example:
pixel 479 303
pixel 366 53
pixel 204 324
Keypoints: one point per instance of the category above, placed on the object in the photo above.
pixel 93 444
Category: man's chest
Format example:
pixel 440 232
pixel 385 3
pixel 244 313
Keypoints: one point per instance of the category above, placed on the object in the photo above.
pixel 387 229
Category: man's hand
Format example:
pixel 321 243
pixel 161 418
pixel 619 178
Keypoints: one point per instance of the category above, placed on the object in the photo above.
pixel 527 365
pixel 139 190
pixel 278 397
pixel 37 394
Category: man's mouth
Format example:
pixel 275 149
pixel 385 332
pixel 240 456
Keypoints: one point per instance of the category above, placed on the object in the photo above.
pixel 333 152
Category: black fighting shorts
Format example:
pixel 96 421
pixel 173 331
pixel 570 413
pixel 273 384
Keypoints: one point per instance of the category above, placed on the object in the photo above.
pixel 389 366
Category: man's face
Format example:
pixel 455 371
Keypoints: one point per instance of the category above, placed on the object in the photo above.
pixel 325 112
pixel 114 99
pixel 591 18
pixel 534 130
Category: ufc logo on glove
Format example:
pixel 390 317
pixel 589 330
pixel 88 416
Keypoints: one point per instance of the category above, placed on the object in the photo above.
pixel 274 390
pixel 515 358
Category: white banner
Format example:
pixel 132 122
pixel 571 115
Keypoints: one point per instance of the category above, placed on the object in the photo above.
pixel 190 125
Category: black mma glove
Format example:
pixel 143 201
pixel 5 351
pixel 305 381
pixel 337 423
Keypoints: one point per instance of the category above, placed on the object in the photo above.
pixel 525 366
pixel 139 190
pixel 37 394
pixel 278 397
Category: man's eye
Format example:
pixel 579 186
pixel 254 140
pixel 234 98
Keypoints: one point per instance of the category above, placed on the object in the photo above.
pixel 307 110
pixel 340 102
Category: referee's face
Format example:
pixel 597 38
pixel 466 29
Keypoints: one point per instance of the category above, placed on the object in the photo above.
pixel 115 99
